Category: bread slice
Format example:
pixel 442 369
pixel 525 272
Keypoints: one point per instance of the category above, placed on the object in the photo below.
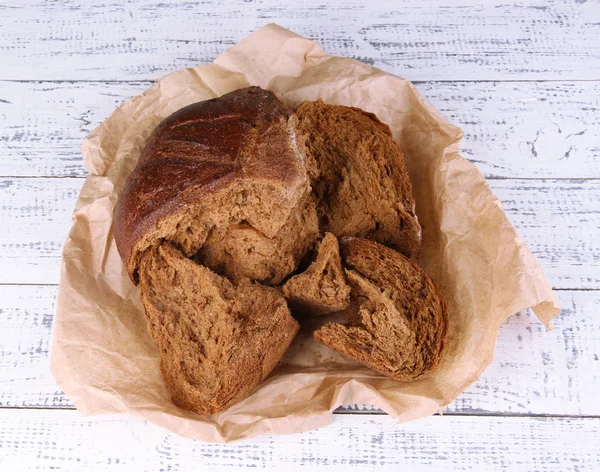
pixel 401 322
pixel 322 288
pixel 358 176
pixel 217 341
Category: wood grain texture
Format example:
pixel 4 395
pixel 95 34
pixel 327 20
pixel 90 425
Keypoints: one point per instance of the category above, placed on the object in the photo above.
pixel 534 371
pixel 26 320
pixel 35 216
pixel 512 129
pixel 558 220
pixel 62 440
pixel 525 129
pixel 522 80
pixel 420 40
pixel 46 123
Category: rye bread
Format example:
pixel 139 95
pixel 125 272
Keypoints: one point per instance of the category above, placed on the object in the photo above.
pixel 321 289
pixel 227 198
pixel 401 322
pixel 231 162
pixel 358 176
pixel 217 340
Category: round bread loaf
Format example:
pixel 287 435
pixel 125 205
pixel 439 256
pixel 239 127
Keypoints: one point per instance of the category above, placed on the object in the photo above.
pixel 238 188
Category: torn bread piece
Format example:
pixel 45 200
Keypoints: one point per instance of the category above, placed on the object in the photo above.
pixel 219 179
pixel 322 288
pixel 217 341
pixel 358 176
pixel 402 320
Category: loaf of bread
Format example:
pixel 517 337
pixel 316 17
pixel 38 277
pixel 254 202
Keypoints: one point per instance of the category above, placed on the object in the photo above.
pixel 402 320
pixel 229 197
pixel 220 197
pixel 224 181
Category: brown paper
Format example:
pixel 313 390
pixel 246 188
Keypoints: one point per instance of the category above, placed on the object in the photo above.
pixel 103 357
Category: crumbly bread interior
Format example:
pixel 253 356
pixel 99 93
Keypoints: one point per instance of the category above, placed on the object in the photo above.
pixel 360 181
pixel 233 231
pixel 401 322
pixel 322 288
pixel 240 250
pixel 217 340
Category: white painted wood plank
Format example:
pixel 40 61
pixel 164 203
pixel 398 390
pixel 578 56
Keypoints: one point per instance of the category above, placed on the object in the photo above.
pixel 45 123
pixel 35 217
pixel 512 129
pixel 534 371
pixel 61 440
pixel 525 129
pixel 421 40
pixel 26 320
pixel 558 219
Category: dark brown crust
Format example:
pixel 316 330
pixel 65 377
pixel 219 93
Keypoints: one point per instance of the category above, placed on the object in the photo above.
pixel 199 149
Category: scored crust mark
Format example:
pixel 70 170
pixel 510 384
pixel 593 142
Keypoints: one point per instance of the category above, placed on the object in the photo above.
pixel 322 288
pixel 214 165
pixel 217 341
pixel 360 183
pixel 401 322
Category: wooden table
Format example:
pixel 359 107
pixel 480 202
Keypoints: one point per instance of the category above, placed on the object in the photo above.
pixel 523 81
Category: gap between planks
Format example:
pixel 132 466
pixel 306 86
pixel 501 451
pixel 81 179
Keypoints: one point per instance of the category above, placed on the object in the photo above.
pixel 492 177
pixel 416 82
pixel 555 289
